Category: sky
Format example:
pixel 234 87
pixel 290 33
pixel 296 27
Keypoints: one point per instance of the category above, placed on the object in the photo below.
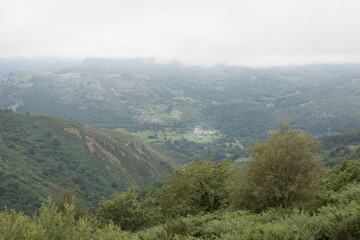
pixel 254 33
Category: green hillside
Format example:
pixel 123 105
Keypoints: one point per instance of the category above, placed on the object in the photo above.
pixel 164 103
pixel 135 94
pixel 39 154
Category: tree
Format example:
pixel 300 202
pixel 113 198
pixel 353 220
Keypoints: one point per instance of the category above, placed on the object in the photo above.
pixel 68 196
pixel 126 211
pixel 198 187
pixel 284 171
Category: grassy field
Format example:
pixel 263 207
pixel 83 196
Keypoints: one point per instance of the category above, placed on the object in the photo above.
pixel 167 134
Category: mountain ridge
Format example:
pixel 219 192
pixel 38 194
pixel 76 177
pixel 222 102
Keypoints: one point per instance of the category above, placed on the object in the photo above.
pixel 47 153
pixel 134 94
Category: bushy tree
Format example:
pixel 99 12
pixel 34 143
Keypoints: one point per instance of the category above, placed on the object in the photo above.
pixel 15 225
pixel 284 171
pixel 126 211
pixel 50 223
pixel 68 196
pixel 198 187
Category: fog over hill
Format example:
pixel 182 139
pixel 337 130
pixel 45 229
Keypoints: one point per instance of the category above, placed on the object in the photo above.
pixel 140 93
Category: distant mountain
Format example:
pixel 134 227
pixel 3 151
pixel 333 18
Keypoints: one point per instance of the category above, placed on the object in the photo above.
pixel 141 94
pixel 39 154
pixel 8 65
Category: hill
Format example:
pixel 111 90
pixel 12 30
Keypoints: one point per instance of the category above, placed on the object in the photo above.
pixel 39 154
pixel 138 94
pixel 164 103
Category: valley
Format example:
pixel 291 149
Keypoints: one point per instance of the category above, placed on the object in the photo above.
pixel 147 98
pixel 179 120
pixel 133 149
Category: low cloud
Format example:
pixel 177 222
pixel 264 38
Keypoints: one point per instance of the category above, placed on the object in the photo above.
pixel 252 33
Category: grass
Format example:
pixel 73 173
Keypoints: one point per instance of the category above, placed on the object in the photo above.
pixel 172 135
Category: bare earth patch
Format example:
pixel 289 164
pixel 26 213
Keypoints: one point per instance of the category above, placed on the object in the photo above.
pixel 73 130
pixel 90 142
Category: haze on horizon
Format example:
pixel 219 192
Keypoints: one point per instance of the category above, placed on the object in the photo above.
pixel 252 33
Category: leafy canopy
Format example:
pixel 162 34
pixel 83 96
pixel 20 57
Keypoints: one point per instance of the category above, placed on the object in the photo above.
pixel 125 211
pixel 284 171
pixel 196 188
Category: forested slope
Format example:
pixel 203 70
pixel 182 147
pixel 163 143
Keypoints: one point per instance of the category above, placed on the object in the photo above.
pixel 140 94
pixel 39 154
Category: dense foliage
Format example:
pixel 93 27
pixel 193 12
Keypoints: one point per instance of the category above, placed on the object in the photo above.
pixel 348 172
pixel 284 171
pixel 126 211
pixel 196 188
pixel 40 154
pixel 337 218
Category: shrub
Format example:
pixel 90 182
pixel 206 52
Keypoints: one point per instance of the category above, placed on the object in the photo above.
pixel 127 212
pixel 197 188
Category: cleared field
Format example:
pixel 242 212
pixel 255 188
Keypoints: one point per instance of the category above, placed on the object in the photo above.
pixel 163 135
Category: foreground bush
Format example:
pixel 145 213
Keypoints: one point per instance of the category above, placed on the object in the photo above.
pixel 51 223
pixel 338 221
pixel 125 211
pixel 273 224
pixel 196 188
pixel 342 221
pixel 18 226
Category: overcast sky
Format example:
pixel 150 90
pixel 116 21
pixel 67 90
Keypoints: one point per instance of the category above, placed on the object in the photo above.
pixel 251 32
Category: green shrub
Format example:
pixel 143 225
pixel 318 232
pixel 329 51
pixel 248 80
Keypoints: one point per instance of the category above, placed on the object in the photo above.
pixel 62 224
pixel 195 189
pixel 340 176
pixel 49 224
pixel 110 232
pixel 342 221
pixel 127 212
pixel 18 226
